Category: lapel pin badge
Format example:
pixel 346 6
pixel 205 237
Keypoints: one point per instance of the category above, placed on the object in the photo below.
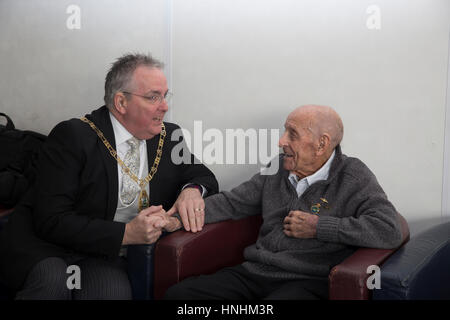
pixel 315 208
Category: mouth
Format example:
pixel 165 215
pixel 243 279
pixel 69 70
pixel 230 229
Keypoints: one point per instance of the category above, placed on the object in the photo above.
pixel 157 119
pixel 287 154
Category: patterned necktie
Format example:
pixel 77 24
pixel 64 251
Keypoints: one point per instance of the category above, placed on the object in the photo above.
pixel 130 189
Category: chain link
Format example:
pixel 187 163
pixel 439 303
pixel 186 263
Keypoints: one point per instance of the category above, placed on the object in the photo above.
pixel 141 182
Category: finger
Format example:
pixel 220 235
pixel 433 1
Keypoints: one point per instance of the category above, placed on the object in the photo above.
pixel 300 214
pixel 184 217
pixel 304 215
pixel 202 219
pixel 297 216
pixel 292 220
pixel 151 210
pixel 198 221
pixel 160 223
pixel 295 213
pixel 191 215
pixel 199 217
pixel 201 223
pixel 152 220
pixel 172 210
pixel 199 212
pixel 161 213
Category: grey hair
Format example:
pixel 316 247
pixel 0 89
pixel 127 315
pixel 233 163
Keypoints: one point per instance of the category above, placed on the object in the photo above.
pixel 120 75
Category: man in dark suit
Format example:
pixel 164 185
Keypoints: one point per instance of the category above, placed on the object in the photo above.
pixel 103 182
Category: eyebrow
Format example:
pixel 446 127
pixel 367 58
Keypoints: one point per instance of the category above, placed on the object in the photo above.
pixel 290 128
pixel 288 125
pixel 157 92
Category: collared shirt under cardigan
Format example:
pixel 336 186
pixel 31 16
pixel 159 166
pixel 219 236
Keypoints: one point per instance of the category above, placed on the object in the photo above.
pixel 321 174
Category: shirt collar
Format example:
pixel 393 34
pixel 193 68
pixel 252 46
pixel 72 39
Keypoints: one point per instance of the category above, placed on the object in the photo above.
pixel 321 174
pixel 121 134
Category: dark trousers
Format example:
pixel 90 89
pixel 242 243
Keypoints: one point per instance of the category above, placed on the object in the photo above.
pixel 236 283
pixel 99 279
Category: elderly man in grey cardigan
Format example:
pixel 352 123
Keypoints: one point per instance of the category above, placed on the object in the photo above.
pixel 317 209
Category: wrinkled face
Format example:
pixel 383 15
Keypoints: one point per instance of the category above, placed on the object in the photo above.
pixel 299 146
pixel 142 117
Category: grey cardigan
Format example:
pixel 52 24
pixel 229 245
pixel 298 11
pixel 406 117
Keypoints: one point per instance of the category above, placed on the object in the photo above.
pixel 354 212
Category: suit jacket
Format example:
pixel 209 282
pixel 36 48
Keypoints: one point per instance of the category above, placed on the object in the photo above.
pixel 70 208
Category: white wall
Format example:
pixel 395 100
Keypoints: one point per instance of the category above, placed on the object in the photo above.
pixel 247 64
pixel 49 73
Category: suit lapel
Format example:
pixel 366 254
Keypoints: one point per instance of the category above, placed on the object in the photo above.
pixel 102 120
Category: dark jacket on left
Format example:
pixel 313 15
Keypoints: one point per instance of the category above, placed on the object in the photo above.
pixel 70 208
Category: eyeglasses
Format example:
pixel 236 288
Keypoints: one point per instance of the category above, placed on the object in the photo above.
pixel 154 98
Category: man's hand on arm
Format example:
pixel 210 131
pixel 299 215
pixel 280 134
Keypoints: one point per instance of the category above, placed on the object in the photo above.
pixel 191 208
pixel 300 224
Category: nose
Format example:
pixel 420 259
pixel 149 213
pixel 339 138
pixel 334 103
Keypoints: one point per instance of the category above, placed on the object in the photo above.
pixel 164 105
pixel 282 142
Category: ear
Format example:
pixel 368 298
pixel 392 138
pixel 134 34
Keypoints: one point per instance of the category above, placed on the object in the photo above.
pixel 324 144
pixel 120 102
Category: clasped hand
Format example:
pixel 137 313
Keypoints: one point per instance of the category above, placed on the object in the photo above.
pixel 148 225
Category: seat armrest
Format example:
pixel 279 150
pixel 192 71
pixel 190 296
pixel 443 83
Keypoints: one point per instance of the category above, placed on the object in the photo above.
pixel 420 269
pixel 183 254
pixel 347 280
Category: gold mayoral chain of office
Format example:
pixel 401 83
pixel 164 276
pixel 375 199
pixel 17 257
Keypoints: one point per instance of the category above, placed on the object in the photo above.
pixel 144 199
